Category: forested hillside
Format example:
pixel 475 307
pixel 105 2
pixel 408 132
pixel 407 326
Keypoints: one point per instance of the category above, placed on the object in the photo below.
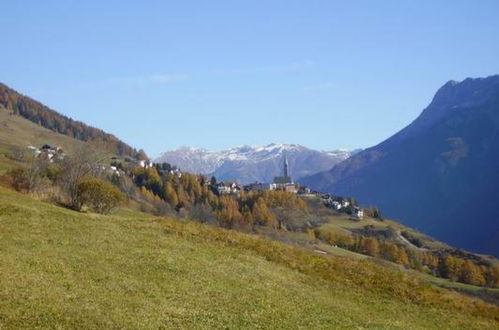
pixel 42 115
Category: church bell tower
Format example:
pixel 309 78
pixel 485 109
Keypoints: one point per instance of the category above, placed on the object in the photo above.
pixel 286 165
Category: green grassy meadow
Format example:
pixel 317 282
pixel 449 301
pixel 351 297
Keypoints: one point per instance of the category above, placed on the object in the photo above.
pixel 63 269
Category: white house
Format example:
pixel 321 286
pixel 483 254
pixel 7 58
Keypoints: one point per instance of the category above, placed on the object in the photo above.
pixel 228 188
pixel 358 213
pixel 176 172
pixel 47 152
pixel 336 205
pixel 222 189
pixel 145 163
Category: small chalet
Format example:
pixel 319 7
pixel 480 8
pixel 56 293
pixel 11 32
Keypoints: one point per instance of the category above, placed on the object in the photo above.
pixel 48 152
pixel 358 213
pixel 145 163
pixel 227 188
pixel 177 172
pixel 335 205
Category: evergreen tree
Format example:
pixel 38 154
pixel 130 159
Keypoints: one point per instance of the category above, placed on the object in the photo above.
pixel 213 181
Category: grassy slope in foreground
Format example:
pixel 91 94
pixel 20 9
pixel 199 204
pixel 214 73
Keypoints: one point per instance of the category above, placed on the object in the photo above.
pixel 64 269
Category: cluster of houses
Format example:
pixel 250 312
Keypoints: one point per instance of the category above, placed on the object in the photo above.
pixel 232 188
pixel 281 183
pixel 142 163
pixel 226 188
pixel 145 163
pixel 285 183
pixel 339 204
pixel 334 203
pixel 48 152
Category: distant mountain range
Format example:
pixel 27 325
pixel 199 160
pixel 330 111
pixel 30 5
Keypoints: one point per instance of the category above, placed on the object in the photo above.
pixel 439 174
pixel 248 164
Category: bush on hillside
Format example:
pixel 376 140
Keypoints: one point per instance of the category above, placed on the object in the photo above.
pixel 18 179
pixel 28 178
pixel 100 196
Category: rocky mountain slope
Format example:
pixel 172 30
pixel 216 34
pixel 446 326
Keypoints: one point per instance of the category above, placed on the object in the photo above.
pixel 253 163
pixel 440 174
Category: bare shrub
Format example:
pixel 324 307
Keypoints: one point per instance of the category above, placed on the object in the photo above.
pixel 84 162
pixel 17 153
pixel 29 178
pixel 202 212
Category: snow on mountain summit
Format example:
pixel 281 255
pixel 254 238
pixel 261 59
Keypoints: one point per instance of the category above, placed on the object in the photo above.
pixel 249 163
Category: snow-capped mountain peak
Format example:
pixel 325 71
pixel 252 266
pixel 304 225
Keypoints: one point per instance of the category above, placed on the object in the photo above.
pixel 249 163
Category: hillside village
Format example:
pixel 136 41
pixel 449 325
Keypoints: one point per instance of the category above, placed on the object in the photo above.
pixel 281 183
pixel 275 208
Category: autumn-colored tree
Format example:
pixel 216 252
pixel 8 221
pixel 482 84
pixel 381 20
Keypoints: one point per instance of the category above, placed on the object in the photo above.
pixel 370 246
pixel 450 267
pixel 41 115
pixel 170 194
pixel 402 257
pixel 262 215
pixel 471 273
pixel 345 241
pixel 391 251
pixel 492 276
pixel 248 217
pixel 280 199
pixel 430 260
pixel 183 197
pixel 149 177
pixel 228 214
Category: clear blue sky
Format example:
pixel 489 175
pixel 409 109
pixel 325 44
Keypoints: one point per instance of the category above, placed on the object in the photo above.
pixel 215 74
